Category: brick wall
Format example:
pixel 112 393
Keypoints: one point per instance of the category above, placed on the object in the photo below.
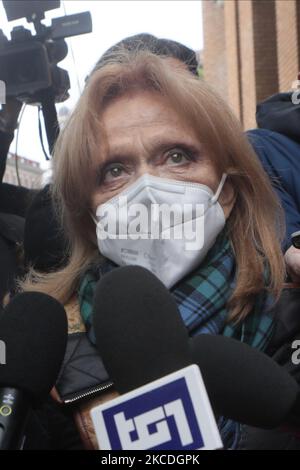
pixel 214 55
pixel 246 39
pixel 251 50
pixel 233 58
pixel 266 61
pixel 287 20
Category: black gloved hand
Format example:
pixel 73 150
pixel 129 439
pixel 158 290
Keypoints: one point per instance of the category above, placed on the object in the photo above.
pixel 8 122
pixel 9 115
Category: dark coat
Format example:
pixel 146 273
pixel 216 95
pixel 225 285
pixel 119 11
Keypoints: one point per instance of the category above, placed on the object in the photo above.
pixel 280 157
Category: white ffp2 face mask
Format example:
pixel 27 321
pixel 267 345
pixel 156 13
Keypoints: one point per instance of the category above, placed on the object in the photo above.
pixel 164 225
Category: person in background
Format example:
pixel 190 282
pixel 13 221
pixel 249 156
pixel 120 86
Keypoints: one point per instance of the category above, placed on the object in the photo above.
pixel 277 144
pixel 13 201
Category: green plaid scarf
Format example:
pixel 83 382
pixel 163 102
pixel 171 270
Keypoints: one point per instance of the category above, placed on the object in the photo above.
pixel 202 298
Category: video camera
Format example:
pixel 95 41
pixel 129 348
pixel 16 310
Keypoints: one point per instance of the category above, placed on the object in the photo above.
pixel 28 63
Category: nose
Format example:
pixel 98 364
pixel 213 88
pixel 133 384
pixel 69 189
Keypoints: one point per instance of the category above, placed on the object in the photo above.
pixel 150 169
pixel 147 168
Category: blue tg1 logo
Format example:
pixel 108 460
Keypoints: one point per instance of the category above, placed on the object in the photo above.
pixel 172 413
pixel 161 419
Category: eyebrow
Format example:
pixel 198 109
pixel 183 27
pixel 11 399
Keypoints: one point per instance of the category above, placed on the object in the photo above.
pixel 159 145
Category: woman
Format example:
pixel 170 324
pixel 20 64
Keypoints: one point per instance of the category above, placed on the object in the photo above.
pixel 144 122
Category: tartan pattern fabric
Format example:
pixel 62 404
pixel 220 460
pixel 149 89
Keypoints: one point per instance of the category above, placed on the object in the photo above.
pixel 202 298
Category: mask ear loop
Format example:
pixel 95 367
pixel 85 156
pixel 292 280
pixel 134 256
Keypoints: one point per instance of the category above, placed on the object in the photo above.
pixel 218 192
pixel 93 217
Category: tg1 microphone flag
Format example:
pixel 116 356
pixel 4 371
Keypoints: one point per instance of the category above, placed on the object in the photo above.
pixel 171 413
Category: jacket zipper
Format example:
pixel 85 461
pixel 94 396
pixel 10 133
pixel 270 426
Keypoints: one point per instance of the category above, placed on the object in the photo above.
pixel 88 394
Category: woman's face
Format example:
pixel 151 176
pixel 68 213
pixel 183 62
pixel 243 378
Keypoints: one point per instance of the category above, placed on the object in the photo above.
pixel 145 135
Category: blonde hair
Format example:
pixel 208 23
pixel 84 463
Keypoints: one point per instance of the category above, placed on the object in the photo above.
pixel 255 222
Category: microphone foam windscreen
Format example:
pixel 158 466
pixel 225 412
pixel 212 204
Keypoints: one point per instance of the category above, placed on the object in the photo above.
pixel 139 332
pixel 34 329
pixel 243 383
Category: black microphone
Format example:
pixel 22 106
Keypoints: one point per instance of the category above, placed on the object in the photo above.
pixel 33 328
pixel 141 337
pixel 139 332
pixel 243 383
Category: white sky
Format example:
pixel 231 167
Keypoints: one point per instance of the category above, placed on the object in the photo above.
pixel 113 20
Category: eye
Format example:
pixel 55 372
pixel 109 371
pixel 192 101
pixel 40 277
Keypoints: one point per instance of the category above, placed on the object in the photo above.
pixel 113 172
pixel 177 157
